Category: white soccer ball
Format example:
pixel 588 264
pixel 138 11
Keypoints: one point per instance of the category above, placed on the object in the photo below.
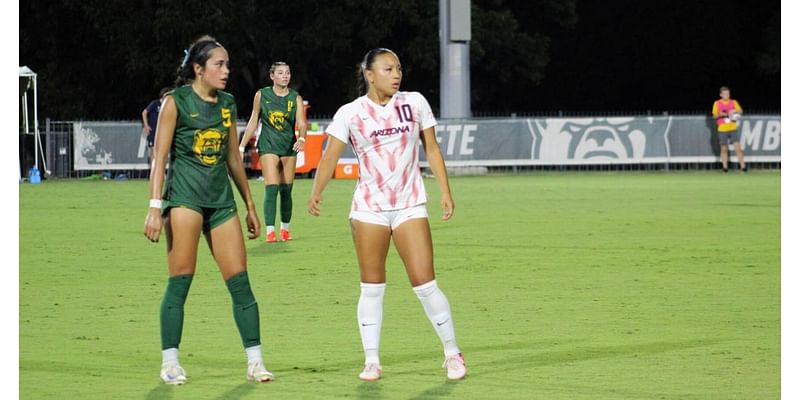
pixel 735 116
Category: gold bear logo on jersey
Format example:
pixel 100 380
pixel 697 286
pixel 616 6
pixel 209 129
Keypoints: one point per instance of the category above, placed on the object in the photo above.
pixel 277 119
pixel 208 146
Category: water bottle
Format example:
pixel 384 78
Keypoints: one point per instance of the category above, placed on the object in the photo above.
pixel 34 176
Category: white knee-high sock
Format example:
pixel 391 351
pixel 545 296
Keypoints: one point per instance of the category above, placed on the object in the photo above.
pixel 370 316
pixel 438 311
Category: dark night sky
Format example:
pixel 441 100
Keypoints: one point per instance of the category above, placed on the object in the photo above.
pixel 620 56
pixel 634 56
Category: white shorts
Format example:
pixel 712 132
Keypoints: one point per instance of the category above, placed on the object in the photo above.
pixel 392 218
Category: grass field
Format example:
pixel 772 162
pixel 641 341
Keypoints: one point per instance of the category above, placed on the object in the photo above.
pixel 563 286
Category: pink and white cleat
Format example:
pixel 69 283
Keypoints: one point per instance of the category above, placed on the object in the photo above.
pixel 371 372
pixel 456 367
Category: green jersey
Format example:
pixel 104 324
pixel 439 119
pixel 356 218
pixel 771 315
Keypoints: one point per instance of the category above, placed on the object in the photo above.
pixel 277 122
pixel 198 170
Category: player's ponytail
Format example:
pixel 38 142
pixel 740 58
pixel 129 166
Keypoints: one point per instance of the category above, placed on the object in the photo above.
pixel 361 80
pixel 198 53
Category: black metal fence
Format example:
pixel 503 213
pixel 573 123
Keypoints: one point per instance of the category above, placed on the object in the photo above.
pixel 571 114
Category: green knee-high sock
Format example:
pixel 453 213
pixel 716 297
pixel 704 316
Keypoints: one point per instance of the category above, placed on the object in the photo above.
pixel 245 309
pixel 270 204
pixel 172 310
pixel 286 202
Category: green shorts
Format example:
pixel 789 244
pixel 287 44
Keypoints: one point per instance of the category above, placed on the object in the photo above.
pixel 212 217
pixel 281 147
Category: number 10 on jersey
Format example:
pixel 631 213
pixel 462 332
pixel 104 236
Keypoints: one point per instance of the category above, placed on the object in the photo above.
pixel 404 113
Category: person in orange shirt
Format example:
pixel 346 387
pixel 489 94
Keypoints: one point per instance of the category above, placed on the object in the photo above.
pixel 727 113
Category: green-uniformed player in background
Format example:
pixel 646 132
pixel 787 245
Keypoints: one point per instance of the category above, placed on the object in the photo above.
pixel 197 129
pixel 279 109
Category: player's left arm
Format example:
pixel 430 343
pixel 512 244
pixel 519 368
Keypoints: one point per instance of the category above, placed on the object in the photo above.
pixel 301 124
pixel 436 161
pixel 237 173
pixel 737 107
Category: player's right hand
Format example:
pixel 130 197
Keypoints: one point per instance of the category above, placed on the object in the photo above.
pixel 313 204
pixel 253 225
pixel 448 206
pixel 152 224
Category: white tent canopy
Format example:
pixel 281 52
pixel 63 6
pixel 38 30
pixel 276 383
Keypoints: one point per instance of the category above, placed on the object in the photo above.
pixel 25 71
pixel 30 83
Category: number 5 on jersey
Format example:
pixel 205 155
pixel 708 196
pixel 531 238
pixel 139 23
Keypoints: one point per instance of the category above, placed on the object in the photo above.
pixel 226 117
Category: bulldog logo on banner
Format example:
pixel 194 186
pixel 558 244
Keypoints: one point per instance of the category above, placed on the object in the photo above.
pixel 599 140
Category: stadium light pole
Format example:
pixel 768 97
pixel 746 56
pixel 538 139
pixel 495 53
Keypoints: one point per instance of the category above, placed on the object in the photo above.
pixel 455 30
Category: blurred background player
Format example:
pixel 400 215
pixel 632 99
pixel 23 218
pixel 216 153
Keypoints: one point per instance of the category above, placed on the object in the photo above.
pixel 278 109
pixel 727 112
pixel 385 126
pixel 197 127
pixel 150 122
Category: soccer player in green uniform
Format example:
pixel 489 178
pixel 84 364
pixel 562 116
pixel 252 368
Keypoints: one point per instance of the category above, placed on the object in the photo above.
pixel 278 109
pixel 197 130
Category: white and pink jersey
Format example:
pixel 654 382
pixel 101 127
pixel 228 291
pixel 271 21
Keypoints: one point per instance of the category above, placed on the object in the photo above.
pixel 385 139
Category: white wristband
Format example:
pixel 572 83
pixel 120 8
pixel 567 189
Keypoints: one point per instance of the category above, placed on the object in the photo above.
pixel 241 149
pixel 155 203
pixel 301 139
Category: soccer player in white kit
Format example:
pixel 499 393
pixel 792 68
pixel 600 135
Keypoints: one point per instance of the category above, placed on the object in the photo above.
pixel 384 127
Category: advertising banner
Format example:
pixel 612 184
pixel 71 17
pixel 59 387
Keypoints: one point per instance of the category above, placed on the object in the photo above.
pixel 506 142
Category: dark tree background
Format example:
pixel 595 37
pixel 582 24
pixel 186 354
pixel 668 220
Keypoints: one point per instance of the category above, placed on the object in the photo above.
pixel 105 59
